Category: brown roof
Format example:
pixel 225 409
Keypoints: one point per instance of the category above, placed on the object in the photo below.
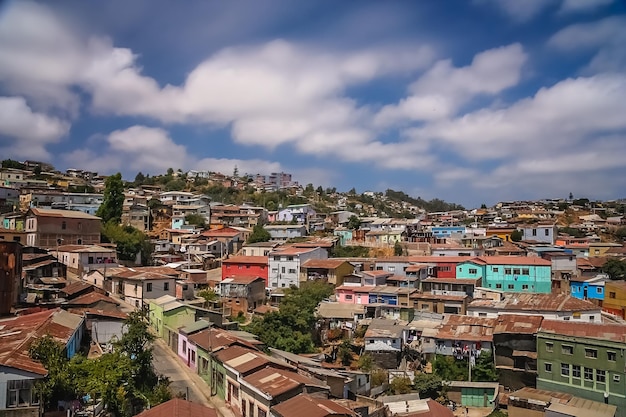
pixel 92 298
pixel 274 382
pixel 323 263
pixel 536 303
pixel 291 250
pixel 466 281
pixel 177 407
pixel 517 324
pixel 257 260
pixel 613 332
pixel 304 405
pixel 147 272
pixel 84 249
pixel 592 263
pixel 213 339
pixel 466 328
pixel 242 279
pixel 438 297
pixel 76 287
pixel 438 259
pixel 378 273
pixel 245 360
pixel 70 214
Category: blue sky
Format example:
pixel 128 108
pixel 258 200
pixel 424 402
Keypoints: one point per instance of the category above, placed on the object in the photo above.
pixel 470 101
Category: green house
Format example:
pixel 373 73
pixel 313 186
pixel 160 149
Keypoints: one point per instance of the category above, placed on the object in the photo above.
pixel 583 359
pixel 167 315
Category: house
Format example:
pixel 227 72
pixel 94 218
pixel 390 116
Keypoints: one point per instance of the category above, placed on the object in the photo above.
pixel 178 407
pixel 338 317
pixel 529 401
pixel 454 303
pixel 384 341
pixel 284 232
pixel 137 216
pixel 599 249
pixel 509 273
pixel 439 266
pixel 351 294
pixel 187 351
pixel 258 248
pixel 367 278
pixel 232 237
pixel 137 286
pixel 589 288
pixel 92 300
pixel 615 298
pixel 413 407
pixel 268 387
pixel 315 407
pixel 41 265
pixel 246 266
pixel 451 286
pixel 241 294
pixel 583 359
pixel 550 306
pixel 464 337
pixel 79 288
pixel 332 271
pixel 84 258
pixel 49 228
pixel 299 213
pixel 383 237
pixel 515 349
pixel 544 233
pixel 168 313
pixel 285 263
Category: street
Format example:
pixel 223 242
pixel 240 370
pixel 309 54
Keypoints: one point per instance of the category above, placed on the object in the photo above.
pixel 166 363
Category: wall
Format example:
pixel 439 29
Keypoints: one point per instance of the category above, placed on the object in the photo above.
pixel 11 374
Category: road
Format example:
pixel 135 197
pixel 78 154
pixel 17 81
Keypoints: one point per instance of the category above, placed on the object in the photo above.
pixel 181 378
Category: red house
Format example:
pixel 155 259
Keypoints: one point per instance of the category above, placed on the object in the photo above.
pixel 245 266
pixel 442 266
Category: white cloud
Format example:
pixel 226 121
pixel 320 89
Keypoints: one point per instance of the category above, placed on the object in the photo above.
pixel 571 6
pixel 443 89
pixel 519 10
pixel 605 37
pixel 26 131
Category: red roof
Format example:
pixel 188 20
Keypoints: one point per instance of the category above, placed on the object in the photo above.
pixel 177 407
pixel 613 332
pixel 274 382
pixel 323 263
pixel 438 259
pixel 304 405
pixel 290 250
pixel 92 298
pixel 17 334
pixel 76 287
pixel 510 260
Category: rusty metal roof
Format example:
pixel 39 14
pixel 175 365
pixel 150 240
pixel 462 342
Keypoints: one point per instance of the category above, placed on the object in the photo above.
pixel 177 407
pixel 603 331
pixel 213 339
pixel 274 382
pixel 16 336
pixel 517 324
pixel 535 302
pixel 76 287
pixel 304 405
pixel 466 328
pixel 91 298
pixel 323 263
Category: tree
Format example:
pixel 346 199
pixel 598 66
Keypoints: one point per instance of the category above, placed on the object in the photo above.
pixel 350 252
pixel 354 223
pixel 428 385
pixel 615 268
pixel 400 385
pixel 450 369
pixel 9 163
pixel 483 206
pixel 209 295
pixel 516 235
pixel 139 178
pixel 345 352
pixel 397 249
pixel 366 362
pixel 621 233
pixel 196 220
pixel 130 241
pixel 259 234
pixel 58 384
pixel 111 208
pixel 484 369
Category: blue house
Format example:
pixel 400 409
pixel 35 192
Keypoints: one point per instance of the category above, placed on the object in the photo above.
pixel 447 231
pixel 509 273
pixel 588 288
pixel 344 234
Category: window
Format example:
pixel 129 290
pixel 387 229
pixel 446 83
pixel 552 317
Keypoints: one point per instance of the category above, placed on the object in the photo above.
pixel 292 271
pixel 348 296
pixel 149 287
pixel 243 408
pixel 612 356
pixel 517 271
pixel 592 318
pixel 565 369
pixel 261 412
pixel 193 356
pixel 391 269
pixel 510 286
pixel 575 371
pixel 547 232
pixel 524 286
pixel 282 269
pixel 63 225
pixel 499 286
pixel 549 347
pixel 611 294
pixel 567 350
pixel 548 366
pixel 591 353
pixel 166 286
pixel 496 269
pixel 525 271
pixel 90 260
pixel 185 346
pixel 534 232
pixel 290 258
pixel 473 271
pixel 251 408
pixel 507 271
pixel 616 378
pixel 235 391
pixel 600 376
pixel 588 374
pixel 20 393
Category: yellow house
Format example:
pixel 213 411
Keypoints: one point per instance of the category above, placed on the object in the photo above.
pixel 615 298
pixel 503 233
pixel 600 248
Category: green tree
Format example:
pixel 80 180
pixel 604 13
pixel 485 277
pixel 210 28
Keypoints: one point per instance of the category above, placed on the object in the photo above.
pixel 620 233
pixel 259 234
pixel 484 370
pixel 209 295
pixel 397 249
pixel 366 362
pixel 350 252
pixel 450 369
pixel 139 178
pixel 615 268
pixel 354 223
pixel 428 385
pixel 345 352
pixel 196 220
pixel 516 235
pixel 129 241
pixel 58 384
pixel 10 163
pixel 111 208
pixel 291 327
pixel 400 385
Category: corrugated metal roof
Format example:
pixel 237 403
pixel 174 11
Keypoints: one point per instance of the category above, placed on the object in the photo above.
pixel 177 407
pixel 304 405
pixel 603 331
pixel 466 328
pixel 517 324
pixel 275 382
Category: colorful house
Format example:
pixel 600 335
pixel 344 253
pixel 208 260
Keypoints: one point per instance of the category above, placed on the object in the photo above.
pixel 440 266
pixel 246 266
pixel 509 273
pixel 186 350
pixel 589 288
pixel 332 271
pixel 615 298
pixel 353 294
pixel 167 315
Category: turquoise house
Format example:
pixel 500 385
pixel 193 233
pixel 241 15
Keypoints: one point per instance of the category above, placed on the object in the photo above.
pixel 509 273
pixel 344 235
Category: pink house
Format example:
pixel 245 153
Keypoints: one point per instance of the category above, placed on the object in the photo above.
pixel 187 351
pixel 349 294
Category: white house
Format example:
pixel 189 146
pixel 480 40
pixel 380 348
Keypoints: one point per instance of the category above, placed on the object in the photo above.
pixel 544 233
pixel 285 262
pixel 138 285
